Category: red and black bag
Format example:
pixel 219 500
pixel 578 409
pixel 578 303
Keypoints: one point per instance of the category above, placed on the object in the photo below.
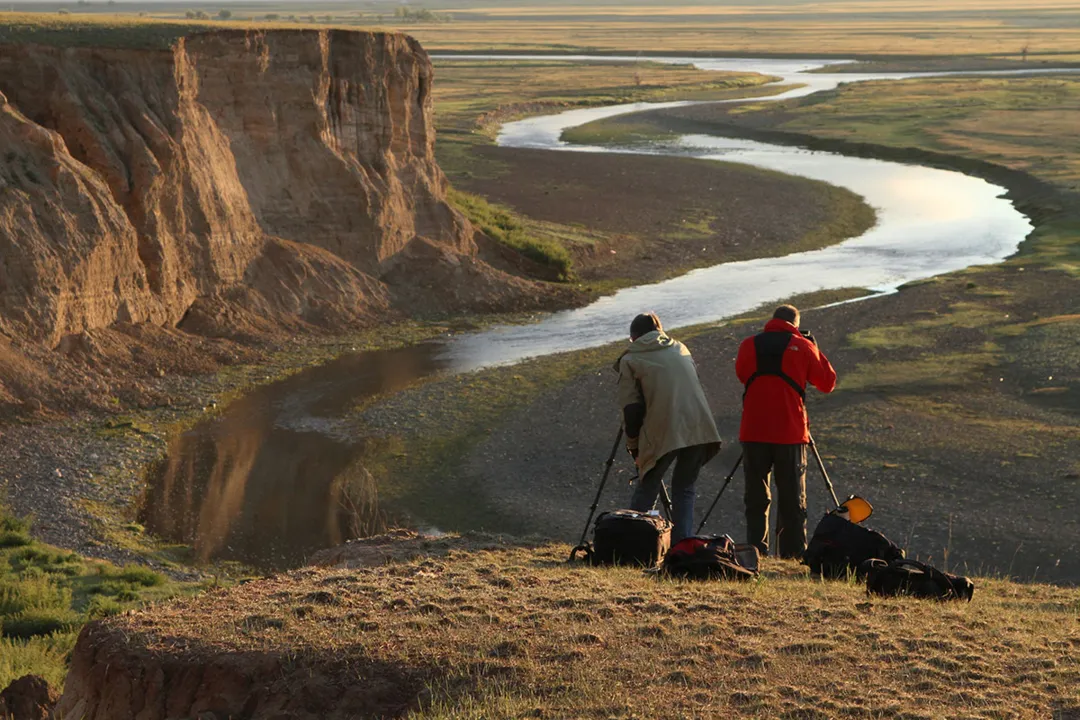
pixel 710 557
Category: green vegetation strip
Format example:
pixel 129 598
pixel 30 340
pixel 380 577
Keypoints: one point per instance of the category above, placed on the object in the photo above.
pixel 502 225
pixel 46 595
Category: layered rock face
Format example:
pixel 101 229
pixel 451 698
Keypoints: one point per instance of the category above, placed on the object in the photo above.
pixel 239 183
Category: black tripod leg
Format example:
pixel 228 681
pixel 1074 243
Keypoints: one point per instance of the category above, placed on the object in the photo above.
pixel 727 481
pixel 599 490
pixel 824 474
pixel 665 500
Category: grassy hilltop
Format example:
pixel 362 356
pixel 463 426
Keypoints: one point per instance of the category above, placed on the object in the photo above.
pixel 477 628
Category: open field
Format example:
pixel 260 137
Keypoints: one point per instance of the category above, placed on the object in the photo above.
pixel 958 410
pixel 479 628
pixel 1043 30
pixel 1027 124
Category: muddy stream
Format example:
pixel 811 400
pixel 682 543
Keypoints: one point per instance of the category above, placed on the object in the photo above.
pixel 267 481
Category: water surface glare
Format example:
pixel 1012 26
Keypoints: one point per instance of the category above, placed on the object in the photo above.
pixel 274 476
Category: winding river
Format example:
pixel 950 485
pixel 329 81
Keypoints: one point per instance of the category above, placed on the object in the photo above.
pixel 268 481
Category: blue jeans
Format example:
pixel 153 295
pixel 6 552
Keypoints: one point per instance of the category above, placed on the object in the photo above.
pixel 688 462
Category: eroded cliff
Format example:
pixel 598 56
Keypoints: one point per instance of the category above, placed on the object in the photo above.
pixel 239 184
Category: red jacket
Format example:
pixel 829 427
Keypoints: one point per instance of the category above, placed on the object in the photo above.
pixel 773 411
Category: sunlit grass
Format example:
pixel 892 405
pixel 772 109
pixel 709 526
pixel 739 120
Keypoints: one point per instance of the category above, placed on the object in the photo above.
pixel 485 629
pixel 47 594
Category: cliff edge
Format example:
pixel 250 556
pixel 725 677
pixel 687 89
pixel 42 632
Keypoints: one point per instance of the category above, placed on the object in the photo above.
pixel 237 185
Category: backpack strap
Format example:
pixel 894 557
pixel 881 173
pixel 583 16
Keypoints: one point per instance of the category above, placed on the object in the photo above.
pixel 586 551
pixel 769 347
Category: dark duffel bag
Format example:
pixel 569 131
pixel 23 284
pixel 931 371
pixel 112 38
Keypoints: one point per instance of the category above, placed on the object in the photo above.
pixel 915 579
pixel 627 537
pixel 710 557
pixel 839 547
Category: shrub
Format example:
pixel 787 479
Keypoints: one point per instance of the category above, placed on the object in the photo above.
pixel 41 621
pixel 32 593
pixel 101 606
pixel 8 522
pixel 50 561
pixel 139 575
pixel 44 656
pixel 111 588
pixel 14 538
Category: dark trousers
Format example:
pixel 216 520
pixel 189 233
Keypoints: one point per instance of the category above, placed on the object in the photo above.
pixel 787 465
pixel 688 462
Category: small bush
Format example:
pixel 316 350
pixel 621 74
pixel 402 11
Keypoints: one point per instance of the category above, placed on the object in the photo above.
pixel 112 588
pixel 39 621
pixel 101 606
pixel 14 538
pixel 44 656
pixel 139 575
pixel 32 593
pixel 37 557
pixel 7 521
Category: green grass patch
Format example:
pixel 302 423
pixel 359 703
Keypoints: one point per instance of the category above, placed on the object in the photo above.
pixel 47 594
pixel 926 331
pixel 14 532
pixel 38 655
pixel 930 371
pixel 625 133
pixel 504 226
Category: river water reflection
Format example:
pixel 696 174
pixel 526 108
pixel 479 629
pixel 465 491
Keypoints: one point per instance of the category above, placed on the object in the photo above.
pixel 268 481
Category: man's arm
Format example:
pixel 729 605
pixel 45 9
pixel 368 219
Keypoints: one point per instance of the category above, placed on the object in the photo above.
pixel 746 360
pixel 632 403
pixel 821 373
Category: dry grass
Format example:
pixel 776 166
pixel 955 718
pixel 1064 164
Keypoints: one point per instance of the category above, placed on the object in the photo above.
pixel 472 98
pixel 491 630
pixel 1046 28
pixel 898 27
pixel 1023 123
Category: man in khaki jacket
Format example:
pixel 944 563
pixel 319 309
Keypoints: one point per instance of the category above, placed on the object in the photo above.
pixel 666 418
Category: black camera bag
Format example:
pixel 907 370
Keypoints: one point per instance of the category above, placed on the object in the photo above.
pixel 915 579
pixel 840 546
pixel 628 537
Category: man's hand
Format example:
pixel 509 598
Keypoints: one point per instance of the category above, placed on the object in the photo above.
pixel 809 336
pixel 633 452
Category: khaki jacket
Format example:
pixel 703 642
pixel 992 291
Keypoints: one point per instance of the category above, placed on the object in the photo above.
pixel 659 372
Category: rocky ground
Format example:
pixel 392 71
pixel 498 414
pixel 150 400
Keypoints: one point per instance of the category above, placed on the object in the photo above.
pixel 962 433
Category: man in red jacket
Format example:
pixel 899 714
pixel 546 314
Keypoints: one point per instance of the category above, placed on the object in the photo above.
pixel 775 367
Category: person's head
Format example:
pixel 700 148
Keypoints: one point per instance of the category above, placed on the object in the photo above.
pixel 787 313
pixel 644 324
